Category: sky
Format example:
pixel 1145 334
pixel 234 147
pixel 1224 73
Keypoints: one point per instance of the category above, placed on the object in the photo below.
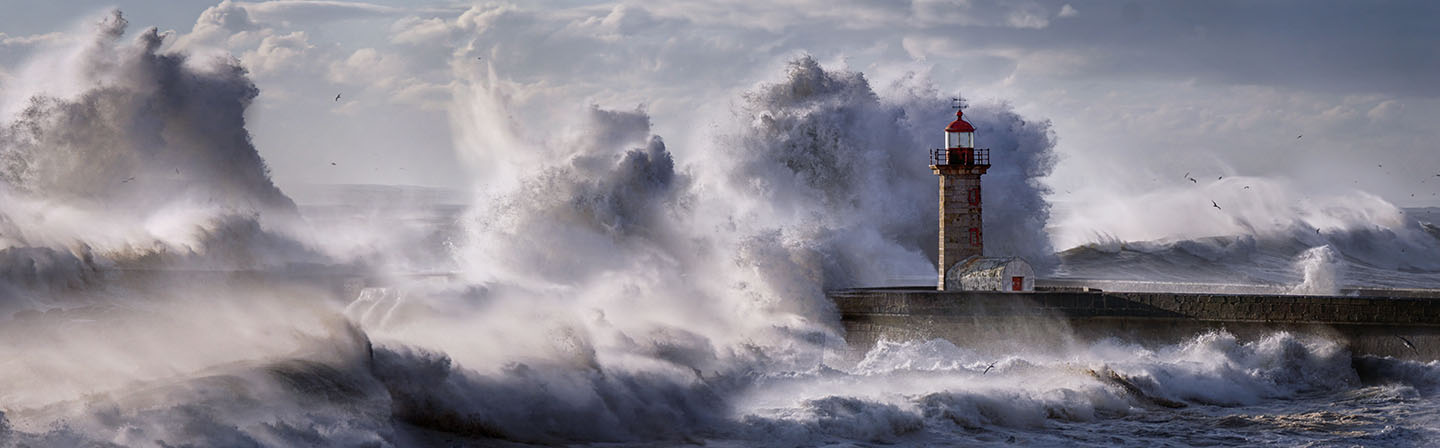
pixel 1328 96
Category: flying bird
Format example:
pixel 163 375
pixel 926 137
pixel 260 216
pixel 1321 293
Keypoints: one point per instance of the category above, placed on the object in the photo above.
pixel 337 97
pixel 1217 206
pixel 1221 177
pixel 1247 187
pixel 1298 136
pixel 332 163
pixel 987 369
pixel 1193 181
pixel 127 180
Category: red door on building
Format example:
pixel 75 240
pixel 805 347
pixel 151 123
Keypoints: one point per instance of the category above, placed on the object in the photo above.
pixel 1017 283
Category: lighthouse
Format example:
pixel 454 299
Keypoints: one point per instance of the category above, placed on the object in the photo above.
pixel 959 165
pixel 962 262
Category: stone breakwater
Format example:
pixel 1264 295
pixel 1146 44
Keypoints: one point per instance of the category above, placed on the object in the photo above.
pixel 1405 324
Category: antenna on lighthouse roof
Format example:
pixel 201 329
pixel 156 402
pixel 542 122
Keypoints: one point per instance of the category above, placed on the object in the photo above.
pixel 956 102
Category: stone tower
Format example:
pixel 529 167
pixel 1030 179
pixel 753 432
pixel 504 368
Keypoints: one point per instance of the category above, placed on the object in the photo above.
pixel 959 165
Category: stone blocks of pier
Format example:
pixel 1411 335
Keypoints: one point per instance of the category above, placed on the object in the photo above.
pixel 1367 325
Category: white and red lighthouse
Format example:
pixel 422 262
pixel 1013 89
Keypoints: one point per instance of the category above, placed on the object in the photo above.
pixel 962 262
pixel 959 165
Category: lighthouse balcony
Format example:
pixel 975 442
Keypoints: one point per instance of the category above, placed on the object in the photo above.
pixel 962 157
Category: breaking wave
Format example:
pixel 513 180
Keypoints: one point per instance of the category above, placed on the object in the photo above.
pixel 1270 236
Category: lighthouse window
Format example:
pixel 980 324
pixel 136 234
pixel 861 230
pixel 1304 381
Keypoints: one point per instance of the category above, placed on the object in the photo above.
pixel 959 140
pixel 974 236
pixel 974 196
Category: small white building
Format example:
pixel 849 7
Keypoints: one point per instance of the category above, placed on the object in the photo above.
pixel 1011 274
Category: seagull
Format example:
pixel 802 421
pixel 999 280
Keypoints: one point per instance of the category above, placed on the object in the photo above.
pixel 1221 177
pixel 337 97
pixel 1408 343
pixel 1298 136
pixel 987 369
pixel 128 179
pixel 1192 180
pixel 1247 187
pixel 332 163
pixel 1217 206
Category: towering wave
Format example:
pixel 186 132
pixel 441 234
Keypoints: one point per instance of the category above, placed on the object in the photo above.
pixel 823 152
pixel 1265 232
pixel 137 127
pixel 114 152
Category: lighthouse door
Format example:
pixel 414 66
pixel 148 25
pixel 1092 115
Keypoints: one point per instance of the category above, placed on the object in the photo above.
pixel 1017 283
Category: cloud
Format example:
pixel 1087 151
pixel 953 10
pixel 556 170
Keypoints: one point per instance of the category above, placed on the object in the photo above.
pixel 224 25
pixel 231 24
pixel 984 13
pixel 33 39
pixel 312 11
pixel 785 15
pixel 427 96
pixel 277 52
pixel 781 15
pixel 414 30
pixel 228 16
pixel 1385 110
pixel 367 66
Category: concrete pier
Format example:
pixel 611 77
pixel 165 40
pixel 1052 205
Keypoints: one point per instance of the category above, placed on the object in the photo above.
pixel 1373 323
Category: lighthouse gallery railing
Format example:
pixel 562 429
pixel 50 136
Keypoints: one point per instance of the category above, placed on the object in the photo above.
pixel 967 157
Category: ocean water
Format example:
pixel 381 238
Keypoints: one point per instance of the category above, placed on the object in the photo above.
pixel 158 289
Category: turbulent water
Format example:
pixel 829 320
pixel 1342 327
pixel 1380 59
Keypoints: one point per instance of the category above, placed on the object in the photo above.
pixel 157 289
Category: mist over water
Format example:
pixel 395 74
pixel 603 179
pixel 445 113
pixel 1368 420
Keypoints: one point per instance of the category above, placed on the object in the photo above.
pixel 601 286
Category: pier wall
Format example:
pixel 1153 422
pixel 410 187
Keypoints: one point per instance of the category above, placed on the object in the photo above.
pixel 997 321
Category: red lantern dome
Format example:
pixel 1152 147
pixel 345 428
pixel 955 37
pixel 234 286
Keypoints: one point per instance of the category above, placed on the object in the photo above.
pixel 960 125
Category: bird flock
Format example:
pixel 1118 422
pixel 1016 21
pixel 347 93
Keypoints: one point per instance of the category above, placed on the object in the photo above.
pixel 1247 187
